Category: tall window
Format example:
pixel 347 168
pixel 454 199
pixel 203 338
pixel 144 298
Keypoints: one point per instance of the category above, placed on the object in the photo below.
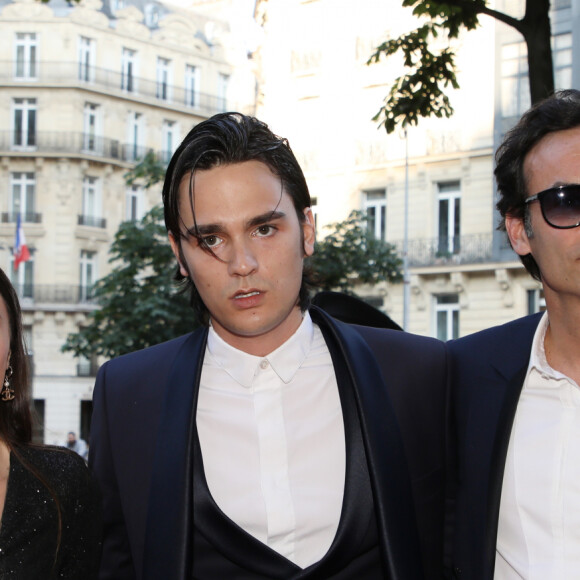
pixel 223 82
pixel 515 88
pixel 447 316
pixel 192 97
pixel 169 139
pixel 163 79
pixel 562 56
pixel 24 134
pixel 23 190
pixel 135 139
pixel 314 208
pixel 88 274
pixel 375 205
pixel 26 56
pixel 91 133
pixel 135 203
pixel 91 215
pixel 536 301
pixel 23 278
pixel 449 218
pixel 86 59
pixel 128 70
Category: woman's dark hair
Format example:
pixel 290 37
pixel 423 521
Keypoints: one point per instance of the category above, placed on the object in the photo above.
pixel 15 415
pixel 559 112
pixel 224 139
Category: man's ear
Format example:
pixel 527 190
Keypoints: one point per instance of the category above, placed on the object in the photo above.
pixel 175 249
pixel 309 232
pixel 516 232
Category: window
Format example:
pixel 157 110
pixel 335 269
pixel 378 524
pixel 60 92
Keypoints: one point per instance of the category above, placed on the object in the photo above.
pixel 91 215
pixel 515 89
pixel 375 206
pixel 26 55
pixel 314 208
pixel 447 316
pixel 192 97
pixel 91 131
pixel 86 59
pixel 449 218
pixel 223 81
pixel 135 137
pixel 163 79
pixel 536 301
pixel 128 70
pixel 23 193
pixel 23 278
pixel 562 56
pixel 169 139
pixel 88 274
pixel 135 203
pixel 24 134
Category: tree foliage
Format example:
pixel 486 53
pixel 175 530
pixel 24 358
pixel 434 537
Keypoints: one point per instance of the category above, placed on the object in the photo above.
pixel 139 304
pixel 421 91
pixel 349 255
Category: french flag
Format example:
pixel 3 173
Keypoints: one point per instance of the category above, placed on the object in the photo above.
pixel 21 253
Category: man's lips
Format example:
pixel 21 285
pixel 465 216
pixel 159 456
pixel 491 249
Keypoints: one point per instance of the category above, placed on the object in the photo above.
pixel 245 294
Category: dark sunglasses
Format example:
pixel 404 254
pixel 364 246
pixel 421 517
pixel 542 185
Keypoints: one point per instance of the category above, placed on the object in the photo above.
pixel 560 206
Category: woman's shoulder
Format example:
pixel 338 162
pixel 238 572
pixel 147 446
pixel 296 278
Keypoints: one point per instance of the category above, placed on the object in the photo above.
pixel 62 468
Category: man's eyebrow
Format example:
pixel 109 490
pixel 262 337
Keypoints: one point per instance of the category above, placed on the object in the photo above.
pixel 266 217
pixel 206 229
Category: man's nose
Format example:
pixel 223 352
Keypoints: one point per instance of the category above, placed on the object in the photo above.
pixel 242 260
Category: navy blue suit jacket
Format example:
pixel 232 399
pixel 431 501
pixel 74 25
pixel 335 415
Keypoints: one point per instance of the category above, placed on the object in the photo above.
pixel 144 413
pixel 488 369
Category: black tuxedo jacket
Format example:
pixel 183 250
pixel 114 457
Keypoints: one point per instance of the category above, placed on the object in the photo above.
pixel 142 436
pixel 488 370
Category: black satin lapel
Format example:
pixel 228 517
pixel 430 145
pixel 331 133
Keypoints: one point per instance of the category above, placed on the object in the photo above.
pixel 168 537
pixel 387 463
pixel 227 537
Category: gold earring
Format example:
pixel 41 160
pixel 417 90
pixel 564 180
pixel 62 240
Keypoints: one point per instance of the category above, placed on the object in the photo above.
pixel 7 393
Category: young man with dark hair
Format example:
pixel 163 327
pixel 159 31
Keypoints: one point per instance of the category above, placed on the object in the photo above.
pixel 515 397
pixel 274 442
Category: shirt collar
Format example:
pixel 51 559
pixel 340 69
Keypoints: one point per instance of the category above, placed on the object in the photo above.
pixel 538 360
pixel 285 360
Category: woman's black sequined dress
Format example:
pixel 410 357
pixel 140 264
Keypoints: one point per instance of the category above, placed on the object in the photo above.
pixel 29 528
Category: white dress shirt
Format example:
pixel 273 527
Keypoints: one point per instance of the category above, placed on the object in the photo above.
pixel 539 520
pixel 272 441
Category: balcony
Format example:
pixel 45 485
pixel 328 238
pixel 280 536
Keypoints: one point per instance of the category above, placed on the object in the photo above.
pixel 29 217
pixel 92 221
pixel 54 143
pixel 114 83
pixel 54 294
pixel 458 250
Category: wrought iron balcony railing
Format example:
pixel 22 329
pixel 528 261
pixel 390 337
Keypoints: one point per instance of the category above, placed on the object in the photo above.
pixel 471 249
pixel 29 217
pixel 92 221
pixel 67 143
pixel 54 294
pixel 78 75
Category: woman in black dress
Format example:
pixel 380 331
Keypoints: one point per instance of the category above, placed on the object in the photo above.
pixel 50 524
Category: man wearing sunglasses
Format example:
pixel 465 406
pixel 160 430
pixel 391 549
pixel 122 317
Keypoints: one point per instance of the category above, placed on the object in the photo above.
pixel 515 398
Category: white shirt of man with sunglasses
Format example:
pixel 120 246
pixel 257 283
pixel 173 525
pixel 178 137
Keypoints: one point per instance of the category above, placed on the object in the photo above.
pixel 516 388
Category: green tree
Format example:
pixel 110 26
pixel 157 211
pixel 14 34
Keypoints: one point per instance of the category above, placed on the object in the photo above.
pixel 350 255
pixel 139 304
pixel 421 92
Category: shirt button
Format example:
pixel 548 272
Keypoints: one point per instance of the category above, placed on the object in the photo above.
pixel 264 364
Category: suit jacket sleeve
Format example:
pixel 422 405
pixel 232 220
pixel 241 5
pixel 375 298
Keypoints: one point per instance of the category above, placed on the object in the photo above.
pixel 116 561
